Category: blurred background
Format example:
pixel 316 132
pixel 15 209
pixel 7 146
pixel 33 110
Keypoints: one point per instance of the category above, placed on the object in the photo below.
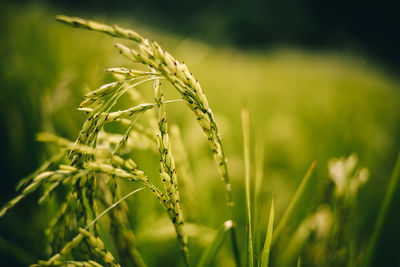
pixel 320 79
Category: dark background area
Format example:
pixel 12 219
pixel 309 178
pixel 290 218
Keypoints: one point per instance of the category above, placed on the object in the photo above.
pixel 367 27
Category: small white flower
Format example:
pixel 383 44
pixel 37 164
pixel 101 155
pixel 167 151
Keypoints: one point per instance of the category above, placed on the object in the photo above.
pixel 346 177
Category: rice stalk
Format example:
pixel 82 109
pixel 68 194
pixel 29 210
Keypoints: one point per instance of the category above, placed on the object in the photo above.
pixel 168 172
pixel 87 165
pixel 151 54
pixel 95 244
pixel 48 176
pixel 183 167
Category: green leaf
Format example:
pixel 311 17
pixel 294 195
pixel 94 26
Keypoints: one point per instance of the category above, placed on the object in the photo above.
pixel 259 175
pixel 382 213
pixel 294 203
pixel 268 239
pixel 215 245
pixel 246 147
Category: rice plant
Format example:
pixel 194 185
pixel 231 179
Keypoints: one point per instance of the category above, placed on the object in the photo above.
pixel 89 168
pixel 93 166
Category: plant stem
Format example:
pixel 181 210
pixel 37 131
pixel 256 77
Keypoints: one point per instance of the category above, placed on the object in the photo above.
pixel 293 203
pixel 230 202
pixel 382 213
pixel 246 148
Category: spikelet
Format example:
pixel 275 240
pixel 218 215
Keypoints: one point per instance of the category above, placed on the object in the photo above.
pixel 167 171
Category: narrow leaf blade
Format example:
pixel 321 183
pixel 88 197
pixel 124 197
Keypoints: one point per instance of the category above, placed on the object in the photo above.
pixel 382 213
pixel 268 239
pixel 215 245
pixel 246 148
pixel 294 203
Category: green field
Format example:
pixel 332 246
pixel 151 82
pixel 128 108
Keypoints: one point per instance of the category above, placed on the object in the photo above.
pixel 303 106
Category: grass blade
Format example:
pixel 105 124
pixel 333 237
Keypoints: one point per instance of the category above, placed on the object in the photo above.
pixel 382 213
pixel 268 239
pixel 259 175
pixel 246 147
pixel 293 204
pixel 235 246
pixel 215 245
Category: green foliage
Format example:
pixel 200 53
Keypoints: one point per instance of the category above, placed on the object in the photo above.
pixel 268 238
pixel 304 106
pixel 246 148
pixel 215 246
pixel 85 161
pixel 295 202
pixel 382 213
